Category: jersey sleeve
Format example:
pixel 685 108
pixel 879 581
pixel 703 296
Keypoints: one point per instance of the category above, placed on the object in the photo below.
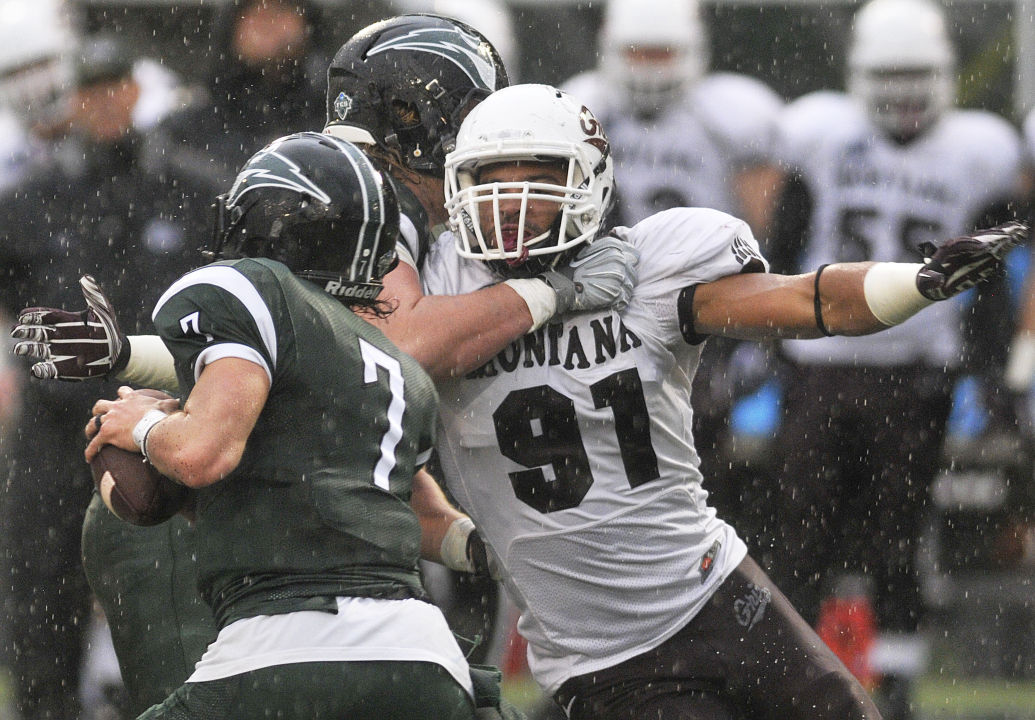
pixel 408 246
pixel 218 311
pixel 685 247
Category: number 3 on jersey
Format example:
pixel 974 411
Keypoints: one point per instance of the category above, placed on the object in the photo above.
pixel 538 428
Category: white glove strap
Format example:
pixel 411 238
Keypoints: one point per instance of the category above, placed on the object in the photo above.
pixel 538 296
pixel 144 426
pixel 1020 365
pixel 150 364
pixel 454 545
pixel 891 293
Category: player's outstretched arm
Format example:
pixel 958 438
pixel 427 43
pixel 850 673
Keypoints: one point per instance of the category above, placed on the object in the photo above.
pixel 86 344
pixel 848 298
pixel 452 335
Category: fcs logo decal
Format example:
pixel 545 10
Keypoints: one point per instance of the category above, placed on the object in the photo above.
pixel 268 168
pixel 465 51
pixel 342 105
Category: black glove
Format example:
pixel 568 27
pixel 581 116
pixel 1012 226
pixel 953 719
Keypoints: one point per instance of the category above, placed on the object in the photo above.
pixel 961 263
pixel 601 275
pixel 73 345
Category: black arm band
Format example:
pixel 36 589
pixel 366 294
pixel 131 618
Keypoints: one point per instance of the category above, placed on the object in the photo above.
pixel 685 311
pixel 817 305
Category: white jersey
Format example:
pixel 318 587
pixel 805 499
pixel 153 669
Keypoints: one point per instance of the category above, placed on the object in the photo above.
pixel 690 154
pixel 873 199
pixel 572 452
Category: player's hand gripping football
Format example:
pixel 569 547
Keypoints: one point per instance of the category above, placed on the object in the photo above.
pixel 73 345
pixel 961 263
pixel 601 275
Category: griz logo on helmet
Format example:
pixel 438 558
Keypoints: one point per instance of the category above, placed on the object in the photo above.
pixel 595 133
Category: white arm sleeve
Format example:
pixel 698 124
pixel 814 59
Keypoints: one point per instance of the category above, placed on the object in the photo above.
pixel 150 364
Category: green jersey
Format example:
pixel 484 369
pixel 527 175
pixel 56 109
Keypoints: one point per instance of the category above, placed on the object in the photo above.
pixel 319 505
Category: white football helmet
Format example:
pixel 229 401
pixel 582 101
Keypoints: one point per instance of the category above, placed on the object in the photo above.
pixel 35 68
pixel 652 49
pixel 901 64
pixel 532 123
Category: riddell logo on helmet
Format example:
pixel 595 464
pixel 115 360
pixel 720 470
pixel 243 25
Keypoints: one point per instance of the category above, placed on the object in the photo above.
pixel 363 292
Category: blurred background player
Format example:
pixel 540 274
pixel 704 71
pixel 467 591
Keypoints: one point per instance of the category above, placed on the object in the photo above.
pixel 875 172
pixel 682 137
pixel 116 212
pixel 36 39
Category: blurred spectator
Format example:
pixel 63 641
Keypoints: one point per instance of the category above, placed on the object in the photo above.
pixel 266 79
pixel 878 171
pixel 682 136
pixel 100 204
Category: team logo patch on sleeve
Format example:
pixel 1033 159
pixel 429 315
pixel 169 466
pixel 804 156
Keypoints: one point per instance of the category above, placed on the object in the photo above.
pixel 708 560
pixel 745 252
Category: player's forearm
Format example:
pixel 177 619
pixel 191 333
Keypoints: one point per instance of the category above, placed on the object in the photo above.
pixel 453 335
pixel 435 514
pixel 853 299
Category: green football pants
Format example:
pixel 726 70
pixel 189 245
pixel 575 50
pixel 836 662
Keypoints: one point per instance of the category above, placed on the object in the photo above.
pixel 369 690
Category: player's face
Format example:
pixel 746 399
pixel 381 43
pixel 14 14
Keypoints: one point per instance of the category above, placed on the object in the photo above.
pixel 517 183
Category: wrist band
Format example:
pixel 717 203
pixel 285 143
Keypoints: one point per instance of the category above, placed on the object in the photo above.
pixel 817 305
pixel 150 364
pixel 891 292
pixel 144 426
pixel 454 545
pixel 538 296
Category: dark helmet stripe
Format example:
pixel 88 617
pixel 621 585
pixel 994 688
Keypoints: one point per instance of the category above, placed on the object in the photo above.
pixel 373 209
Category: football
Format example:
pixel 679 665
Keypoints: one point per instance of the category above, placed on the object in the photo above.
pixel 132 488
